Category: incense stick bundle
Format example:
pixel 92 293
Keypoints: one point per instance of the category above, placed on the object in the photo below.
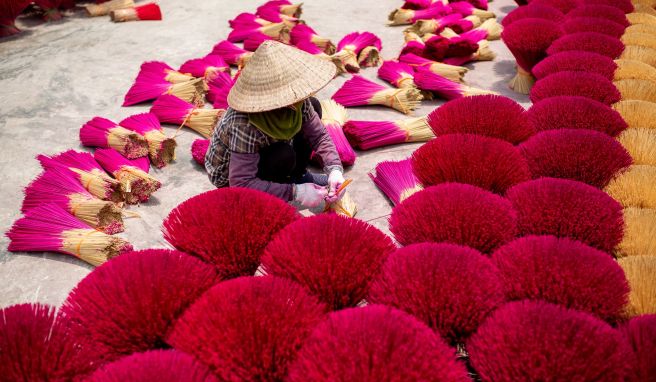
pixel 634 187
pixel 136 184
pixel 398 74
pixel 158 70
pixel 161 149
pixel 101 132
pixel 333 117
pixel 640 271
pixel 231 53
pixel 219 88
pixel 438 47
pixel 467 9
pixel 435 26
pixel 170 109
pixel 443 87
pixel 582 61
pixel 633 89
pixel 50 9
pixel 253 41
pixel 363 45
pixel 600 11
pixel 465 25
pixel 345 206
pixel 206 67
pixel 10 9
pixel 50 228
pixel 533 11
pixel 367 135
pixel 403 16
pixel 420 4
pixel 451 72
pixel 592 24
pixel 302 32
pixel 637 114
pixel 641 144
pixel 641 28
pixel 145 90
pixel 248 21
pixel 589 42
pixel 415 47
pixel 277 31
pixel 59 186
pixel 584 84
pixel 639 53
pixel 87 171
pixel 199 149
pixel 640 39
pixel 483 53
pixel 144 12
pixel 359 91
pixel 639 233
pixel 106 7
pixel 283 7
pixel 641 18
pixel 396 180
pixel 273 15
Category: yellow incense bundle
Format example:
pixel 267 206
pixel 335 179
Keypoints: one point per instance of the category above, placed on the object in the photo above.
pixel 640 271
pixel 639 233
pixel 632 69
pixel 643 90
pixel 639 53
pixel 641 18
pixel 641 39
pixel 637 114
pixel 106 7
pixel 641 144
pixel 416 129
pixel 635 187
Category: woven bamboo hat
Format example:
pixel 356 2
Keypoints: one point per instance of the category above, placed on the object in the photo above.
pixel 278 75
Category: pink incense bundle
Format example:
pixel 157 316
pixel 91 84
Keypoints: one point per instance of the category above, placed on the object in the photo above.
pixel 479 4
pixel 592 24
pixel 396 180
pixel 467 9
pixel 199 149
pixel 402 16
pixel 366 46
pixel 419 4
pixel 277 31
pixel 367 135
pixel 437 25
pixel 170 109
pixel 157 70
pixel 333 117
pixel 231 53
pixel 443 87
pixel 415 47
pixel 247 21
pixel 218 91
pixel 87 171
pixel 589 42
pixel 49 228
pixel 302 32
pixel 136 184
pixel 101 132
pixel 451 72
pixel 589 85
pixel 161 149
pixel 533 11
pixel 273 15
pixel 483 53
pixel 256 39
pixel 398 74
pixel 144 12
pixel 148 89
pixel 600 11
pixel 465 25
pixel 50 9
pixel 207 67
pixel 58 186
pixel 359 91
pixel 283 7
pixel 576 61
pixel 9 11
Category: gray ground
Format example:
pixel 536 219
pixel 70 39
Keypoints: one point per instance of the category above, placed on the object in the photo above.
pixel 56 76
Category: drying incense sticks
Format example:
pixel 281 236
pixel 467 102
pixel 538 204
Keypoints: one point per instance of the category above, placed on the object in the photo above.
pixel 101 132
pixel 359 91
pixel 50 228
pixel 206 68
pixel 396 180
pixel 161 149
pixel 157 70
pixel 144 12
pixel 136 184
pixel 232 54
pixel 483 53
pixel 367 135
pixel 333 117
pixel 466 9
pixel 106 7
pixel 451 72
pixel 435 26
pixel 302 32
pixel 248 21
pixel 281 6
pixel 170 109
pixel 145 90
pixel 219 88
pixel 277 31
pixel 362 47
pixel 199 149
pixel 398 74
pixel 273 15
pixel 443 87
pixel 402 16
pixel 10 9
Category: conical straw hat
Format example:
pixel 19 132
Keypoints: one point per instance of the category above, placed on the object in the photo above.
pixel 278 75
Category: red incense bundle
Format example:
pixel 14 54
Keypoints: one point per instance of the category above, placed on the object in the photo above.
pixel 170 109
pixel 231 53
pixel 398 74
pixel 562 5
pixel 207 67
pixel 157 70
pixel 161 149
pixel 9 10
pixel 101 132
pixel 625 6
pixel 528 40
pixel 87 171
pixel 465 25
pixel 437 25
pixel 467 9
pixel 199 149
pixel 589 85
pixel 105 8
pixel 146 89
pixel 302 32
pixel 136 184
pixel 443 87
pixel 333 117
pixel 50 9
pixel 277 31
pixel 589 42
pixel 281 6
pixel 396 180
pixel 480 4
pixel 59 186
pixel 600 11
pixel 219 88
pixel 574 60
pixel 363 45
pixel 367 135
pixel 592 24
pixel 415 47
pixel 49 228
pixel 144 12
pixel 483 53
pixel 359 91
pixel 533 11
pixel 451 72
pixel 402 16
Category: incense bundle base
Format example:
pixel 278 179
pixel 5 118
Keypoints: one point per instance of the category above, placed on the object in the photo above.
pixel 137 185
pixel 522 82
pixel 105 8
pixel 637 114
pixel 161 149
pixel 141 13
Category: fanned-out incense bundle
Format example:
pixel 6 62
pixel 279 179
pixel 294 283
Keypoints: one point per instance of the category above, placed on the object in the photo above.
pixel 626 6
pixel 635 89
pixel 50 228
pixel 641 144
pixel 467 9
pixel 59 186
pixel 87 171
pixel 637 114
pixel 582 61
pixel 359 91
pixel 533 11
pixel 639 53
pixel 219 87
pixel 562 5
pixel 136 184
pixel 106 7
pixel 363 45
pixel 483 53
pixel 639 39
pixel 399 74
pixel 231 53
pixel 333 117
pixel 302 32
pixel 253 41
pixel 403 16
pixel 641 18
pixel 199 149
pixel 170 109
pixel 590 85
pixel 589 42
pixel 145 90
pixel 367 135
pixel 600 11
pixel 640 271
pixel 206 67
pixel 451 72
pixel 415 47
pixel 641 28
pixel 144 12
pixel 161 149
pixel 101 132
pixel 639 233
pixel 439 47
pixel 635 187
pixel 283 7
pixel 247 20
pixel 421 27
pixel 273 15
pixel 592 24
pixel 10 9
pixel 277 31
pixel 396 180
pixel 443 87
pixel 157 70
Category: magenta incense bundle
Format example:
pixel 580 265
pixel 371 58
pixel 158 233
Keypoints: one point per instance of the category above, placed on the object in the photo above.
pixel 101 132
pixel 277 31
pixel 333 117
pixel 396 180
pixel 451 72
pixel 157 70
pixel 533 11
pixel 359 91
pixel 437 25
pixel 273 15
pixel 466 9
pixel 50 228
pixel 231 53
pixel 283 7
pixel 415 47
pixel 206 67
pixel 398 74
pixel 170 109
pixel 367 135
pixel 254 41
pixel 87 171
pixel 161 149
pixel 443 87
pixel 247 21
pixel 218 91
pixel 364 47
pixel 146 89
pixel 136 184
pixel 403 16
pixel 592 24
pixel 60 187
pixel 199 149
pixel 302 32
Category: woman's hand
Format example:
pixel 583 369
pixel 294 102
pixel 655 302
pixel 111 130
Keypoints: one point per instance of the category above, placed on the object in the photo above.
pixel 335 180
pixel 310 195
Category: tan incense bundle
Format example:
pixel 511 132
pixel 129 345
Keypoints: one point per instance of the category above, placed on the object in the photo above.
pixel 161 149
pixel 641 28
pixel 359 91
pixel 106 7
pixel 452 72
pixel 639 233
pixel 170 109
pixel 641 39
pixel 632 69
pixel 640 271
pixel 639 53
pixel 637 114
pixel 493 29
pixel 641 18
pixel 345 206
pixel 634 187
pixel 641 144
pixel 643 90
pixel 645 8
pixel 422 27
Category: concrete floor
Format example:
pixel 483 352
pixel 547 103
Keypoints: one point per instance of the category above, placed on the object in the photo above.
pixel 54 77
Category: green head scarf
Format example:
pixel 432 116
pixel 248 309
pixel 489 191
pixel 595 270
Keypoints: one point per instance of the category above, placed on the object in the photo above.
pixel 280 124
